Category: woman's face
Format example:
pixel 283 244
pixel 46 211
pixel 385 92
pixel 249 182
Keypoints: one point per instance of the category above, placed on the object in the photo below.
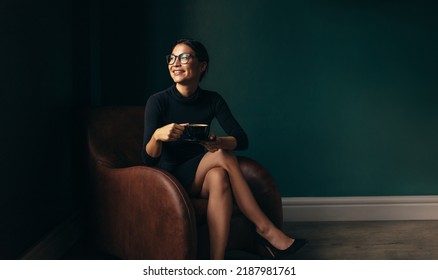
pixel 186 74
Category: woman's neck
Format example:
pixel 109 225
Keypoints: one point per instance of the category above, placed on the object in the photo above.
pixel 186 90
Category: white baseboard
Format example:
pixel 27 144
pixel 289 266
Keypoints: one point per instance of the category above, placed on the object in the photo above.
pixel 370 208
pixel 58 241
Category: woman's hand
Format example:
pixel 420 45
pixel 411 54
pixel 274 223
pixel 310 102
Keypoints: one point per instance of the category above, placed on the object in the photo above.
pixel 214 145
pixel 167 133
pixel 170 132
pixel 220 143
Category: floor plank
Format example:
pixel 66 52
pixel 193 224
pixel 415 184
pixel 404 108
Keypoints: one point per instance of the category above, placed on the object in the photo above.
pixel 373 240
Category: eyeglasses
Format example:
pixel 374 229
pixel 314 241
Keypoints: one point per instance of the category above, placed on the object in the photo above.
pixel 183 58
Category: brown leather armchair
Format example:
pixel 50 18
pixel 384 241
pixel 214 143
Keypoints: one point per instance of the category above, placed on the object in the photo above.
pixel 140 212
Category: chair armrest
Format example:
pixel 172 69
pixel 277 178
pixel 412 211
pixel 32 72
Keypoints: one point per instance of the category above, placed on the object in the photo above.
pixel 142 213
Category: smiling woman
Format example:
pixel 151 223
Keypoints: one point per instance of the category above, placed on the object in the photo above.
pixel 185 67
pixel 209 170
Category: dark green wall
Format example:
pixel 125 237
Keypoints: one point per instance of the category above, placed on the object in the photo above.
pixel 339 98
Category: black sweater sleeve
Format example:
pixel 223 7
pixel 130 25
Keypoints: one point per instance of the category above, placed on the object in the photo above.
pixel 230 124
pixel 151 123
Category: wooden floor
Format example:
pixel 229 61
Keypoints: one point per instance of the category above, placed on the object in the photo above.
pixel 385 240
pixel 382 240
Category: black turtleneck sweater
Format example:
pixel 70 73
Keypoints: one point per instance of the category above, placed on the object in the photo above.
pixel 169 106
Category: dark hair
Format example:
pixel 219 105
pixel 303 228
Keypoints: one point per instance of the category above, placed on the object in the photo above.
pixel 199 49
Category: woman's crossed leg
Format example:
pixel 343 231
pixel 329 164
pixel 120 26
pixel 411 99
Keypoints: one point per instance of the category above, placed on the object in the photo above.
pixel 217 178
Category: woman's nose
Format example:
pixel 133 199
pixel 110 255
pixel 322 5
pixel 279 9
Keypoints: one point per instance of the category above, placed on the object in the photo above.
pixel 177 62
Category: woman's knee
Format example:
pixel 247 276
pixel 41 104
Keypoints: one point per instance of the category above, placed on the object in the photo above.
pixel 226 159
pixel 218 180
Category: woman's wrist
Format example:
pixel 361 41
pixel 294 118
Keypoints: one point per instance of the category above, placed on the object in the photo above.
pixel 153 147
pixel 227 142
pixel 155 137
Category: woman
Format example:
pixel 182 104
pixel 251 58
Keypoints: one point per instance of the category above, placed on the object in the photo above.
pixel 212 174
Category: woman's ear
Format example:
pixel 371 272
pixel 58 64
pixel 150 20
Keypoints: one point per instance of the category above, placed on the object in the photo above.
pixel 203 66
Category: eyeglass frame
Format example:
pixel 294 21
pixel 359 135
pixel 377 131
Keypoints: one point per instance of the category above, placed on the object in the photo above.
pixel 178 57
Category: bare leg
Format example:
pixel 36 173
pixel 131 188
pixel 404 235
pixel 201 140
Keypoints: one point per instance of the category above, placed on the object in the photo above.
pixel 243 195
pixel 216 187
